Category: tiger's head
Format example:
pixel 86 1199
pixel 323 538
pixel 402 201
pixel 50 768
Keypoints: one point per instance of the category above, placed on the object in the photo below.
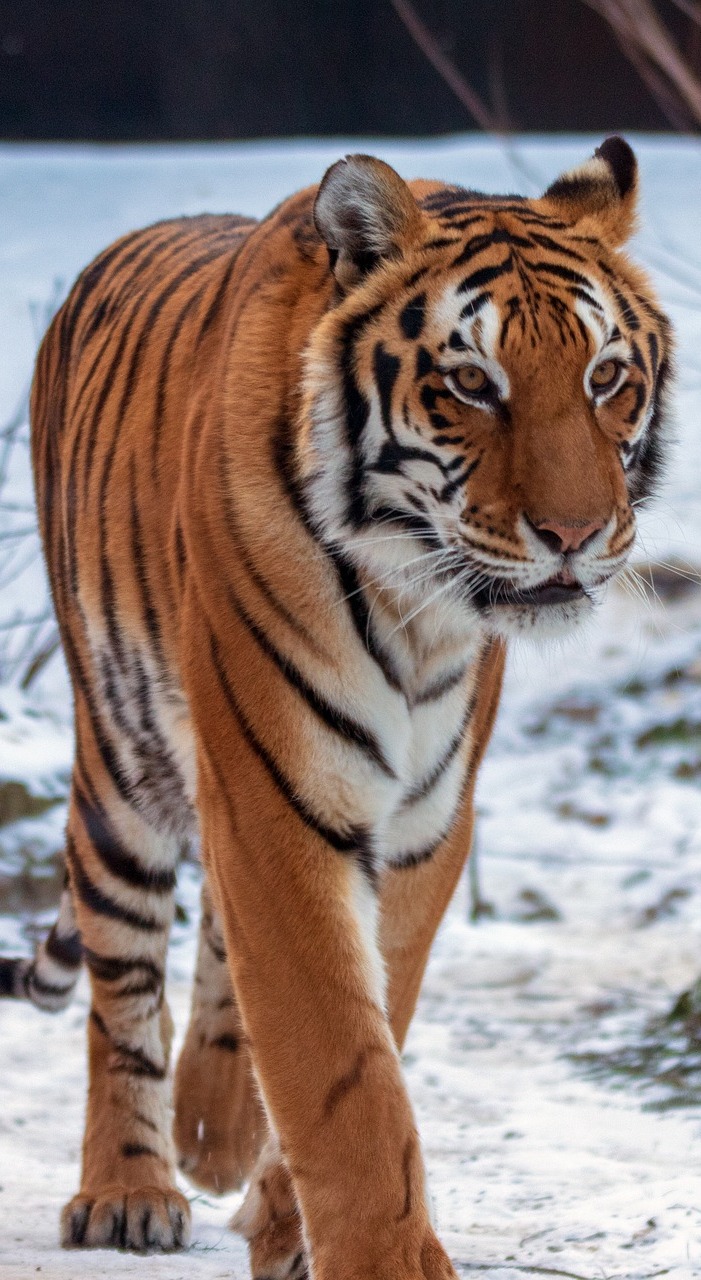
pixel 486 395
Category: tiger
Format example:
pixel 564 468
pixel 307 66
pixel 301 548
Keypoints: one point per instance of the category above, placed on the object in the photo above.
pixel 299 483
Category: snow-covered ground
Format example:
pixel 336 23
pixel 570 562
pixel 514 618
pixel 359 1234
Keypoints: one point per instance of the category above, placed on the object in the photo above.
pixel 558 1104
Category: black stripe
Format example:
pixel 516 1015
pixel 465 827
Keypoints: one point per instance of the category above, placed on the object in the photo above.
pixel 210 314
pixel 459 481
pixel 443 685
pixel 107 584
pixel 386 370
pixel 9 970
pixel 412 317
pixel 471 308
pixel 105 748
pixel 393 455
pixel 148 607
pixel 96 416
pixel 576 291
pixel 413 279
pixel 100 902
pixel 162 379
pixel 547 242
pixel 336 720
pixel 563 273
pixel 357 412
pixel 360 616
pixel 113 855
pixel 440 242
pixel 640 391
pixel 282 447
pixel 478 244
pixel 34 983
pixel 174 283
pixel 140 258
pixel 628 314
pixel 65 950
pixel 426 785
pixel 135 1061
pixel 216 947
pixel 114 968
pixel 131 1150
pixel 214 250
pixel 514 310
pixel 485 275
pixel 637 355
pixel 228 1042
pixel 424 363
pixel 91 277
pixel 144 1120
pixel 351 843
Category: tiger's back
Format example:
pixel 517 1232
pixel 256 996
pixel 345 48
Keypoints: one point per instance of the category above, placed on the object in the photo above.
pixel 122 368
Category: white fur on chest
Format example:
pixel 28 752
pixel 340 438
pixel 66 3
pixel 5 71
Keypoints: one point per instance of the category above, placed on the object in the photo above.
pixel 419 807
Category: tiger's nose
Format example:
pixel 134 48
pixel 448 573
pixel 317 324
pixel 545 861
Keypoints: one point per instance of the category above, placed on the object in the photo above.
pixel 566 537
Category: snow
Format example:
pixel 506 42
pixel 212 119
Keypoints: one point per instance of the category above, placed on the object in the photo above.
pixel 559 1112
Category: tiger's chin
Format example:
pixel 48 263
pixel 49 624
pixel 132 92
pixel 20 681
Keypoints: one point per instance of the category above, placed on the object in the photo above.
pixel 550 610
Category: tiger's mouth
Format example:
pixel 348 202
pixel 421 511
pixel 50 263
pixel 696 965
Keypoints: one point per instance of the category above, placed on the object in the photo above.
pixel 561 588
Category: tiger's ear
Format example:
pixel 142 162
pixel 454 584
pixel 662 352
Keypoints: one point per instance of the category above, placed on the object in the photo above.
pixel 604 189
pixel 364 213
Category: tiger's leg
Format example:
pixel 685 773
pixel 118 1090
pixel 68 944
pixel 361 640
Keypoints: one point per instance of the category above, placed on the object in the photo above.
pixel 412 904
pixel 220 1125
pixel 123 874
pixel 308 978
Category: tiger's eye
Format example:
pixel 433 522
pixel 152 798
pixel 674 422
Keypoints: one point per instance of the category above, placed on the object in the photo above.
pixel 605 373
pixel 471 378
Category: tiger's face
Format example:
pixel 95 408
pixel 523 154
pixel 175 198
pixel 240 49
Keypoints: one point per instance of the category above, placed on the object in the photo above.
pixel 486 401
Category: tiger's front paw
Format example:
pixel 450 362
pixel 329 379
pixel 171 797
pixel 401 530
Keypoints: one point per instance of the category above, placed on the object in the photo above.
pixel 145 1219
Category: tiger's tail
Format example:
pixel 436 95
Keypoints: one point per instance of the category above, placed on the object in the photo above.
pixel 49 978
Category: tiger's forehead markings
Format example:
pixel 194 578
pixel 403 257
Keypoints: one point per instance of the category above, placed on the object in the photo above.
pixel 554 279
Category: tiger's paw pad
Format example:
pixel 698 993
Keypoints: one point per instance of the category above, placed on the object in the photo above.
pixel 145 1220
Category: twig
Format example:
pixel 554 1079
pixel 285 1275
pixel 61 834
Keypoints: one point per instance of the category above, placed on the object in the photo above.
pixel 690 8
pixel 445 67
pixel 39 661
pixel 463 91
pixel 638 29
pixel 27 642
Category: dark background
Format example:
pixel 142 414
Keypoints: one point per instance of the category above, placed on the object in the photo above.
pixel 140 69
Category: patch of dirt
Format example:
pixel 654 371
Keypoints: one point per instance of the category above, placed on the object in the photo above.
pixel 663 1060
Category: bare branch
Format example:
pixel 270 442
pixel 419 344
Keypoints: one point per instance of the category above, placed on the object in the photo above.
pixel 445 66
pixel 691 8
pixel 28 640
pixel 463 91
pixel 40 660
pixel 646 41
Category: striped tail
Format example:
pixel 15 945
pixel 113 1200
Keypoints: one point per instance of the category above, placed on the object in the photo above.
pixel 49 979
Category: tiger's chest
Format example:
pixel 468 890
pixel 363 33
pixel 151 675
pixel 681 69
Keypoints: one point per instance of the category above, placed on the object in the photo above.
pixel 411 815
pixel 398 800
